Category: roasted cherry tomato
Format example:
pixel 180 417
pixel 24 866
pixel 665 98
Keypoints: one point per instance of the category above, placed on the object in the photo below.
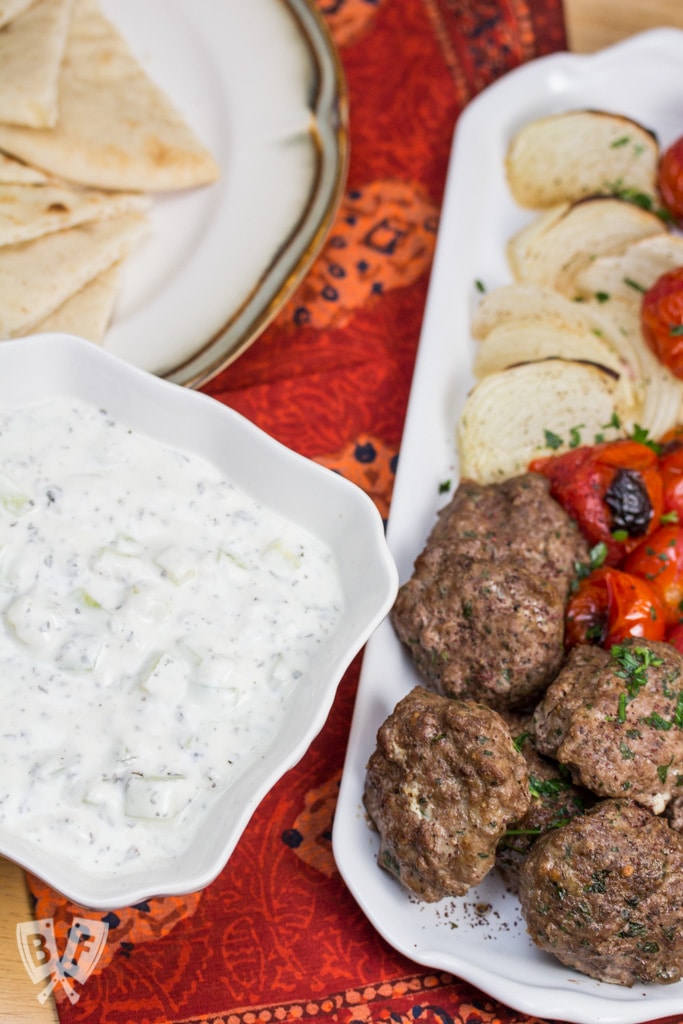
pixel 613 491
pixel 670 179
pixel 661 319
pixel 610 605
pixel 672 438
pixel 659 561
pixel 586 616
pixel 634 609
pixel 671 470
pixel 675 638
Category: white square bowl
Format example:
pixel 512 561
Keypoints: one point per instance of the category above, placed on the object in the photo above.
pixel 312 497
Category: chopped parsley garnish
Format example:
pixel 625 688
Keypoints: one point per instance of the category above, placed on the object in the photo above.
pixel 633 664
pixel 575 436
pixel 642 436
pixel 548 788
pixel 519 741
pixel 598 881
pixel 598 554
pixel 657 722
pixel 635 196
pixel 678 713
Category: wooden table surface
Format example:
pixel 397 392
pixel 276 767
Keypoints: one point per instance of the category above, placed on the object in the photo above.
pixel 591 24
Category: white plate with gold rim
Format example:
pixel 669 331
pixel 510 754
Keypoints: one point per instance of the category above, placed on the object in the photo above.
pixel 482 937
pixel 261 84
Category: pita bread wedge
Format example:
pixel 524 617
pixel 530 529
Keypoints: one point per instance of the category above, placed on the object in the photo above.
pixel 116 128
pixel 14 172
pixel 88 312
pixel 31 52
pixel 29 211
pixel 37 277
pixel 10 9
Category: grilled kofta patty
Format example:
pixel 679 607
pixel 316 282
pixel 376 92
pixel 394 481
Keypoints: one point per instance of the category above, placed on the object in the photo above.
pixel 515 518
pixel 615 720
pixel 555 800
pixel 483 612
pixel 441 786
pixel 674 813
pixel 604 894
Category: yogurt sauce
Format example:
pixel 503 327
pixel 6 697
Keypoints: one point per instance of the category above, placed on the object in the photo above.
pixel 154 621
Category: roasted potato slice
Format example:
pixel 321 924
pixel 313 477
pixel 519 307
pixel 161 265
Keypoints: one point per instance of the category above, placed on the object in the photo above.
pixel 535 409
pixel 568 241
pixel 570 155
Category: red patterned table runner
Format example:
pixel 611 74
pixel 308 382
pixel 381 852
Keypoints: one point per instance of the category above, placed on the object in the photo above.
pixel 277 937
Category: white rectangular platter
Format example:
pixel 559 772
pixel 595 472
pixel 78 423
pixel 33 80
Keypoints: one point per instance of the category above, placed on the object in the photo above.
pixel 482 937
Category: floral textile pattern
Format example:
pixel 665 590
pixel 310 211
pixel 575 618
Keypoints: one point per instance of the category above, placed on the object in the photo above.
pixel 277 936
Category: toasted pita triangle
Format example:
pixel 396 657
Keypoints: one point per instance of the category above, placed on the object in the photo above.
pixel 88 312
pixel 29 211
pixel 10 9
pixel 37 277
pixel 116 128
pixel 31 52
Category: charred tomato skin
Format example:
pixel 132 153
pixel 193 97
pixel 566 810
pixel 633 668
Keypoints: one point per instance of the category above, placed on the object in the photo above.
pixel 659 561
pixel 675 638
pixel 610 605
pixel 661 318
pixel 613 490
pixel 670 179
pixel 671 471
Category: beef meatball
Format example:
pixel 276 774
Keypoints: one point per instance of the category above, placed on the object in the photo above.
pixel 515 518
pixel 441 786
pixel 555 800
pixel 483 612
pixel 615 719
pixel 674 813
pixel 604 894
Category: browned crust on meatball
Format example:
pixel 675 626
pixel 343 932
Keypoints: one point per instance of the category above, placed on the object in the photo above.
pixel 555 800
pixel 483 612
pixel 441 786
pixel 614 718
pixel 515 518
pixel 604 895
